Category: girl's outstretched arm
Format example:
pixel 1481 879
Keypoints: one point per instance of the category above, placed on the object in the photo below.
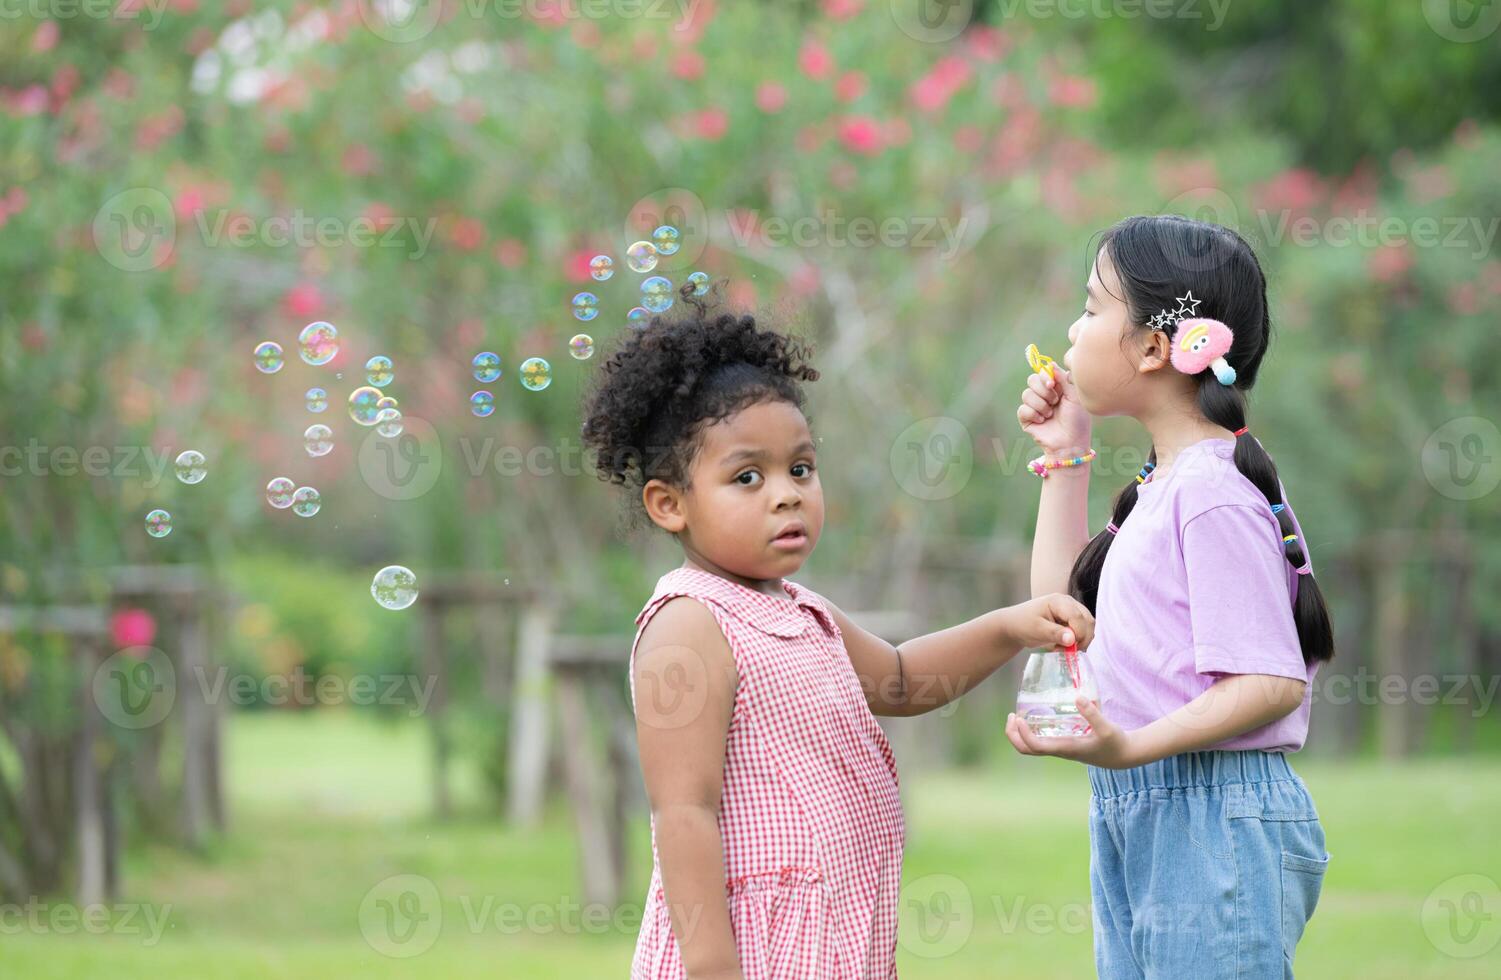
pixel 1236 704
pixel 1051 414
pixel 932 670
pixel 685 681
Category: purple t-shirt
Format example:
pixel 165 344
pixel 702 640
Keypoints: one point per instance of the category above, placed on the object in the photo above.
pixel 1196 586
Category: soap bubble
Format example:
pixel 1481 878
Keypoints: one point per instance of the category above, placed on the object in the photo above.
pixel 482 404
pixel 362 405
pixel 536 374
pixel 700 281
pixel 394 587
pixel 638 317
pixel 317 399
pixel 158 524
pixel 601 267
pixel 641 256
pixel 318 343
pixel 190 466
pixel 656 294
pixel 378 371
pixel 585 306
pixel 385 402
pixel 666 240
pixel 318 439
pixel 305 502
pixel 486 367
pixel 268 357
pixel 581 347
pixel 388 423
pixel 279 492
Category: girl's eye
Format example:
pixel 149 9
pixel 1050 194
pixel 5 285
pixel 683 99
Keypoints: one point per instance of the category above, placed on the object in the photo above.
pixel 748 479
pixel 807 470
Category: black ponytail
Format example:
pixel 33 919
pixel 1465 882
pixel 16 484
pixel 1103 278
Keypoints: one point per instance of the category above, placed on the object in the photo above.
pixel 1160 259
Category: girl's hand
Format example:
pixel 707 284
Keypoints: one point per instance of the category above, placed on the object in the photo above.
pixel 1052 415
pixel 1107 746
pixel 1054 620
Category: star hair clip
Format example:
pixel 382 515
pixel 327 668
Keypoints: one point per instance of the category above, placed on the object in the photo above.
pixel 1199 343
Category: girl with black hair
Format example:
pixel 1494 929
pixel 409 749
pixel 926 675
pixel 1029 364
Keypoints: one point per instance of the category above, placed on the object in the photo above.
pixel 1206 851
pixel 777 828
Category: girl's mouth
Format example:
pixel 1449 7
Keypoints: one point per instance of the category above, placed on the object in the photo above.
pixel 791 539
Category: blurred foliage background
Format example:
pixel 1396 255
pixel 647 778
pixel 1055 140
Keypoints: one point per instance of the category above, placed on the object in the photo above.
pixel 180 181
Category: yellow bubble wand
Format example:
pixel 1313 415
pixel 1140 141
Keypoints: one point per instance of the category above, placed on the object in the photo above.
pixel 1040 362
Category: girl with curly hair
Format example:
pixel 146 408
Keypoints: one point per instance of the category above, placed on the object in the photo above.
pixel 777 828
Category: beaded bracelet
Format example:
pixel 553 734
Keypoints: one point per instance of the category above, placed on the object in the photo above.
pixel 1042 464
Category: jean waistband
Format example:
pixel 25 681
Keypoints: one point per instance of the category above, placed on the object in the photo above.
pixel 1211 768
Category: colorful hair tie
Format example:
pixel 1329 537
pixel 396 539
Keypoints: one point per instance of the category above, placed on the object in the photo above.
pixel 1288 539
pixel 1242 431
pixel 1111 527
pixel 1146 471
pixel 1042 464
pixel 1278 508
pixel 1305 570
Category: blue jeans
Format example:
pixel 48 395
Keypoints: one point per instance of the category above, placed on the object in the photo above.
pixel 1205 865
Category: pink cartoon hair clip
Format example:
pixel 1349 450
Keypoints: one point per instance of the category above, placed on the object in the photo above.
pixel 1203 343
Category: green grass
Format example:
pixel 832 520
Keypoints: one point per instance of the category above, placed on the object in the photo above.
pixel 325 807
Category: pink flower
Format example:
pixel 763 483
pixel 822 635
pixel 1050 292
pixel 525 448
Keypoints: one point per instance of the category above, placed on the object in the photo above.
pixel 692 27
pixel 302 301
pixel 804 280
pixel 770 97
pixel 1294 189
pixel 358 160
pixel 585 34
pixel 815 61
pixel 1464 299
pixel 842 9
pixel 30 101
pixel 45 37
pixel 1073 92
pixel 576 269
pixel 467 234
pixel 688 65
pixel 987 43
pixel 711 124
pixel 851 86
pixel 132 628
pixel 968 139
pixel 380 214
pixel 860 134
pixel 1389 262
pixel 932 91
pixel 510 252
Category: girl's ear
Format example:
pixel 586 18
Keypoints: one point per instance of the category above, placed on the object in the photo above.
pixel 664 505
pixel 1155 352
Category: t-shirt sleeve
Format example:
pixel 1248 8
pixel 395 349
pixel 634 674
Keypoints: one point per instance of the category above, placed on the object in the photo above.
pixel 1238 602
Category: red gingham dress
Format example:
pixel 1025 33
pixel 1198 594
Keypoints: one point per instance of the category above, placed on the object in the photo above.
pixel 810 818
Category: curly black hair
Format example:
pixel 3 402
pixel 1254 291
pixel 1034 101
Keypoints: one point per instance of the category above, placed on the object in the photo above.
pixel 654 396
